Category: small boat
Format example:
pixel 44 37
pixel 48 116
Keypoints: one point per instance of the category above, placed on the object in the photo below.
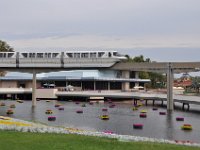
pixel 77 103
pixel 51 118
pixel 104 117
pixel 9 112
pixel 108 132
pixel 143 115
pixel 186 127
pixel 138 126
pixel 47 101
pixel 179 119
pixel 48 111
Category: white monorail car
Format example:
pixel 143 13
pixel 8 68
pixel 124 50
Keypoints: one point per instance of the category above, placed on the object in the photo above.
pixel 68 59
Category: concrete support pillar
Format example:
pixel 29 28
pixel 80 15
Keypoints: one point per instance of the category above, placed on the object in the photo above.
pixel 34 89
pixel 81 86
pixel 109 85
pixel 94 85
pixel 170 82
pixel 126 75
pixel 136 77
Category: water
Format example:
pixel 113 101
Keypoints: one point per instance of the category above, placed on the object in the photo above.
pixel 121 119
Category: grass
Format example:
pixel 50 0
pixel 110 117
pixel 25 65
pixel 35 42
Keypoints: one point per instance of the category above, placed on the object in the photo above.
pixel 11 140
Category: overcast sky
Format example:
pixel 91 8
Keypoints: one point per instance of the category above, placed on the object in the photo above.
pixel 164 30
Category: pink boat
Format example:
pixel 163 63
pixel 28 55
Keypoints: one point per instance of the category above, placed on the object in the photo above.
pixel 138 126
pixel 51 118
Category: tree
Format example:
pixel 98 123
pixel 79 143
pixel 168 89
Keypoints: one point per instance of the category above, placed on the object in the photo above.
pixel 196 84
pixel 4 47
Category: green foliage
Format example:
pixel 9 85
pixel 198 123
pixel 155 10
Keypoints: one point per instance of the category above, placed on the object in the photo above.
pixel 157 79
pixel 4 47
pixel 10 140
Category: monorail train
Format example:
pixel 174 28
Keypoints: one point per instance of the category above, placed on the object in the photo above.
pixel 68 59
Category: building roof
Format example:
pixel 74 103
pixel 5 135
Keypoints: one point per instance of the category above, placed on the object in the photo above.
pixel 84 75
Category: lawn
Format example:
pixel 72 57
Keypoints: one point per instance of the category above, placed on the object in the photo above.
pixel 11 140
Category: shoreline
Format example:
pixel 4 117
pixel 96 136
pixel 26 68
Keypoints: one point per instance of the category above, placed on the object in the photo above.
pixel 12 124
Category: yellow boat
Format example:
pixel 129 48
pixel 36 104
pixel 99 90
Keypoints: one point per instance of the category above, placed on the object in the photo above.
pixel 19 101
pixel 104 117
pixel 186 127
pixel 135 108
pixel 143 111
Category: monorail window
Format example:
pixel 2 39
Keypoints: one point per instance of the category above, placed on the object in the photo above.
pixel 1 55
pixel 92 55
pixel 10 55
pixel 31 55
pixel 100 54
pixel 54 55
pixel 39 55
pixel 49 55
pixel 116 54
pixel 76 55
pixel 25 55
pixel 70 55
pixel 85 55
pixel 109 54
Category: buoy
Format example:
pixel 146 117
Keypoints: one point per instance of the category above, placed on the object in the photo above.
pixel 162 113
pixel 186 127
pixel 179 119
pixel 143 115
pixel 138 126
pixel 51 118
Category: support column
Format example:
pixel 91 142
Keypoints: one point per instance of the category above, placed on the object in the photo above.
pixel 94 85
pixel 125 85
pixel 109 85
pixel 170 82
pixel 34 89
pixel 136 77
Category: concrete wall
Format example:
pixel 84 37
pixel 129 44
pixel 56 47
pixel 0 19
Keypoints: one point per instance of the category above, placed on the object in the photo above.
pixel 46 93
pixel 8 84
